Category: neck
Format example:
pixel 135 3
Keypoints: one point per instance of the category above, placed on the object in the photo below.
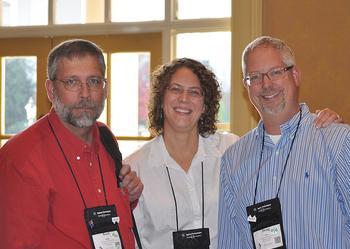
pixel 181 146
pixel 273 122
pixel 84 133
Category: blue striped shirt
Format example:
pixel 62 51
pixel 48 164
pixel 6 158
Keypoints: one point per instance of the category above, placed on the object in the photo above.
pixel 315 190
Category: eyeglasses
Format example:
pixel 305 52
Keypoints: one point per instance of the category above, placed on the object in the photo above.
pixel 74 85
pixel 273 74
pixel 176 89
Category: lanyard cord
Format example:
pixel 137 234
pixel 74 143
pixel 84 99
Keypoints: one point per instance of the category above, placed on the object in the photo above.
pixel 102 179
pixel 71 170
pixel 172 189
pixel 285 164
pixel 202 196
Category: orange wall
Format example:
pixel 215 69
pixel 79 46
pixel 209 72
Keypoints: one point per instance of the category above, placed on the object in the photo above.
pixel 319 33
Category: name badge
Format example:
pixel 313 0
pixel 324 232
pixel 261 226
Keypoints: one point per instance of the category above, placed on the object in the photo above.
pixel 103 226
pixel 265 219
pixel 192 239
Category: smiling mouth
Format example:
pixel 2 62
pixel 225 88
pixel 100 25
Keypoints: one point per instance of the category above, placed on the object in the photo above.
pixel 182 110
pixel 270 96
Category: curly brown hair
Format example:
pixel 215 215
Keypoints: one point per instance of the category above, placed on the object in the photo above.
pixel 211 90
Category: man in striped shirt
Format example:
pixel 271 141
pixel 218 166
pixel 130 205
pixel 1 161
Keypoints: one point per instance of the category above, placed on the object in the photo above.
pixel 285 184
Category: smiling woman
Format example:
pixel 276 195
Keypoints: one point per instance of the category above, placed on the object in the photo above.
pixel 180 166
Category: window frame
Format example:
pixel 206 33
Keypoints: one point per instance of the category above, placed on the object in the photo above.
pixel 245 24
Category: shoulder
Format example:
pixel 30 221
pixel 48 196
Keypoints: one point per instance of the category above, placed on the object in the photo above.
pixel 243 141
pixel 24 143
pixel 220 140
pixel 23 152
pixel 334 133
pixel 142 154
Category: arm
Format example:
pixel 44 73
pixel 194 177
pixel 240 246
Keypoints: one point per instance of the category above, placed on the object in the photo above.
pixel 24 207
pixel 325 117
pixel 132 182
pixel 343 182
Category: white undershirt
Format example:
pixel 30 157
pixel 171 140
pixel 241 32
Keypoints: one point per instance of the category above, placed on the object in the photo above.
pixel 274 138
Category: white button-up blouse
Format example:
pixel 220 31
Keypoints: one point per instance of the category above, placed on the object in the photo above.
pixel 155 213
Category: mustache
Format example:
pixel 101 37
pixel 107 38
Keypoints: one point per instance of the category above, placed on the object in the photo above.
pixel 85 103
pixel 269 91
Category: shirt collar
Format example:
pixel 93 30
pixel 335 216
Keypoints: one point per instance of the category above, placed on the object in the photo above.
pixel 69 140
pixel 159 156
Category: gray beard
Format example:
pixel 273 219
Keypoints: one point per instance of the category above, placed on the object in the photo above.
pixel 85 119
pixel 275 110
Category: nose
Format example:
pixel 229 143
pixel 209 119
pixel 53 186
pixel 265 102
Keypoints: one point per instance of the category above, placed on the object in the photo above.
pixel 183 96
pixel 265 82
pixel 84 90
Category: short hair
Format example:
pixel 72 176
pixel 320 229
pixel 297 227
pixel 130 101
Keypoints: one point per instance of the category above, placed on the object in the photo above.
pixel 73 48
pixel 209 84
pixel 268 41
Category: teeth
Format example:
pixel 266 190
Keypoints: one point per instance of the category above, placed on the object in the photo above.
pixel 186 111
pixel 270 96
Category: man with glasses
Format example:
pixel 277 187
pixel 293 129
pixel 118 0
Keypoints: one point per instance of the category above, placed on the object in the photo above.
pixel 58 183
pixel 285 184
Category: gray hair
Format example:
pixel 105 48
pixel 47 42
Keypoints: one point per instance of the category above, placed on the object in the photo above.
pixel 268 41
pixel 70 49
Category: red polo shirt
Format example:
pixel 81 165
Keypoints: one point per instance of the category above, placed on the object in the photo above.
pixel 40 204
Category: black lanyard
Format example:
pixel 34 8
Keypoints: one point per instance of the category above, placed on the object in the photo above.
pixel 172 189
pixel 71 170
pixel 285 164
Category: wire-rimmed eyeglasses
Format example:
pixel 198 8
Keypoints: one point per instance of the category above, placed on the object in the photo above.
pixel 74 84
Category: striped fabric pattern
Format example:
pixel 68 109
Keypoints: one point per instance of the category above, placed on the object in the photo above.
pixel 315 189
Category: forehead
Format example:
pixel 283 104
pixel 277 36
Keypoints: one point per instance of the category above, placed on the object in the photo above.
pixel 264 58
pixel 185 76
pixel 86 64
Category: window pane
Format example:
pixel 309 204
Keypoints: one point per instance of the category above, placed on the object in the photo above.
pixel 19 93
pixel 79 11
pixel 137 10
pixel 23 12
pixel 213 49
pixel 129 93
pixel 203 9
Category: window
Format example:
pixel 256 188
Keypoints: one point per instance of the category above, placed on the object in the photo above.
pixel 142 33
pixel 79 11
pixel 194 9
pixel 129 93
pixel 125 11
pixel 23 12
pixel 19 93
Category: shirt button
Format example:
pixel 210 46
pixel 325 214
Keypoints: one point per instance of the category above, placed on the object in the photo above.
pixel 277 152
pixel 78 157
pixel 99 190
pixel 90 163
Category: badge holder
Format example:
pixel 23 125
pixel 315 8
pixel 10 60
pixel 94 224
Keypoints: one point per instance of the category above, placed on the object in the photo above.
pixel 102 223
pixel 266 225
pixel 192 238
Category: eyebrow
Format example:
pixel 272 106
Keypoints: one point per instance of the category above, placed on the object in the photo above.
pixel 190 87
